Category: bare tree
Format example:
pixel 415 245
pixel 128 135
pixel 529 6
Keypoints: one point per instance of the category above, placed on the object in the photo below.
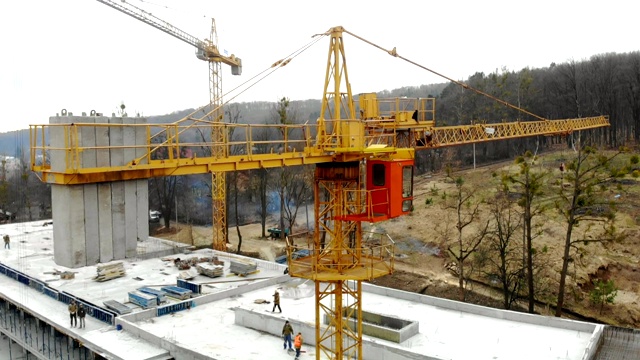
pixel 588 213
pixel 528 184
pixel 286 116
pixel 165 190
pixel 295 186
pixel 504 247
pixel 464 239
pixel 260 177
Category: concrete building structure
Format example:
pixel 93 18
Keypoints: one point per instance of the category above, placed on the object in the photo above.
pixel 229 317
pixel 99 222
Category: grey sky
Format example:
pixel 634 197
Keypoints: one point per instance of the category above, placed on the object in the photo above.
pixel 82 55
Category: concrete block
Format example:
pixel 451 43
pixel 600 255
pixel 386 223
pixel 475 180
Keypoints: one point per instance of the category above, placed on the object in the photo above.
pixel 98 222
pixel 130 218
pixel 57 141
pixel 92 223
pixel 142 209
pixel 87 140
pixel 129 139
pixel 116 138
pixel 106 222
pixel 141 140
pixel 103 156
pixel 118 219
pixel 68 233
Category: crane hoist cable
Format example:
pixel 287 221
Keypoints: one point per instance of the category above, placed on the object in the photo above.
pixel 270 70
pixel 260 76
pixel 273 68
pixel 394 53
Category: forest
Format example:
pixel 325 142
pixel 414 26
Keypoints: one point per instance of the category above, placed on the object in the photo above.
pixel 605 84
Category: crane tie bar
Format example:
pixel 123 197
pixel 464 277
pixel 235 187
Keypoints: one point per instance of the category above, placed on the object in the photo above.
pixel 394 53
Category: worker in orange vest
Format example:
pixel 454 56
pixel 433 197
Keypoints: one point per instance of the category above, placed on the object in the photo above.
pixel 297 343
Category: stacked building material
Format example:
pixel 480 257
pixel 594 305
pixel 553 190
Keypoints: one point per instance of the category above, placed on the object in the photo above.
pixel 142 299
pixel 210 270
pixel 117 306
pixel 243 267
pixel 159 294
pixel 109 271
pixel 177 292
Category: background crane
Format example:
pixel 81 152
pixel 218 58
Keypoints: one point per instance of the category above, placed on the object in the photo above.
pixel 206 50
pixel 363 172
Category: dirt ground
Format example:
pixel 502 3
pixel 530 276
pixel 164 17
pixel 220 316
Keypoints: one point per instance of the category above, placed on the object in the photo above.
pixel 421 256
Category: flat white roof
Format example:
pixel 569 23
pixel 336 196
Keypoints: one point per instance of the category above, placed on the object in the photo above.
pixel 447 329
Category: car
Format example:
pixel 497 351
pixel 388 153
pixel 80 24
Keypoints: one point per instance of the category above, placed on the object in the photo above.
pixel 275 232
pixel 154 216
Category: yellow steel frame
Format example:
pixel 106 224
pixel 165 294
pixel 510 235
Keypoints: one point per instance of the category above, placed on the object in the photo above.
pixel 339 256
pixel 218 149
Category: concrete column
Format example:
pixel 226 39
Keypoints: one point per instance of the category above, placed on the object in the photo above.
pixel 98 222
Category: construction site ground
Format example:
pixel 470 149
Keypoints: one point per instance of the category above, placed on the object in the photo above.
pixel 421 256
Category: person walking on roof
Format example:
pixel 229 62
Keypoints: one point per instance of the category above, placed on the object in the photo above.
pixel 297 343
pixel 287 331
pixel 276 301
pixel 73 308
pixel 7 241
pixel 81 314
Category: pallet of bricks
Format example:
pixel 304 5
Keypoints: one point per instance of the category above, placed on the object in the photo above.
pixel 243 267
pixel 109 271
pixel 213 268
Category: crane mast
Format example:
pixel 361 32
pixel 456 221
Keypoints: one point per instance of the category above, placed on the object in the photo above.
pixel 206 50
pixel 363 172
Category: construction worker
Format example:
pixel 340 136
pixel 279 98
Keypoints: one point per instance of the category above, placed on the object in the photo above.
pixel 73 308
pixel 287 331
pixel 7 241
pixel 81 314
pixel 297 343
pixel 276 301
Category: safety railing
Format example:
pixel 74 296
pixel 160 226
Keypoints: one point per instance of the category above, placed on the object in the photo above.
pixel 373 258
pixel 86 145
pixel 396 108
pixel 366 204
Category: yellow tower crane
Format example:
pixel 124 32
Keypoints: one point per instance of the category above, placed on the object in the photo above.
pixel 206 50
pixel 364 172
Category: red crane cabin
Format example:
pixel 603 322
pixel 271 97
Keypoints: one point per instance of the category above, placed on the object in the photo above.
pixel 389 188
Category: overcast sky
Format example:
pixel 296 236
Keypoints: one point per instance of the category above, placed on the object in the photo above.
pixel 82 55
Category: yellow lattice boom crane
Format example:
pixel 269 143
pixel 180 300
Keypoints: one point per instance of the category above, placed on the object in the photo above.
pixel 206 50
pixel 363 155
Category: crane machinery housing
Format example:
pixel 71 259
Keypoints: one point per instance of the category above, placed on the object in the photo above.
pixel 363 155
